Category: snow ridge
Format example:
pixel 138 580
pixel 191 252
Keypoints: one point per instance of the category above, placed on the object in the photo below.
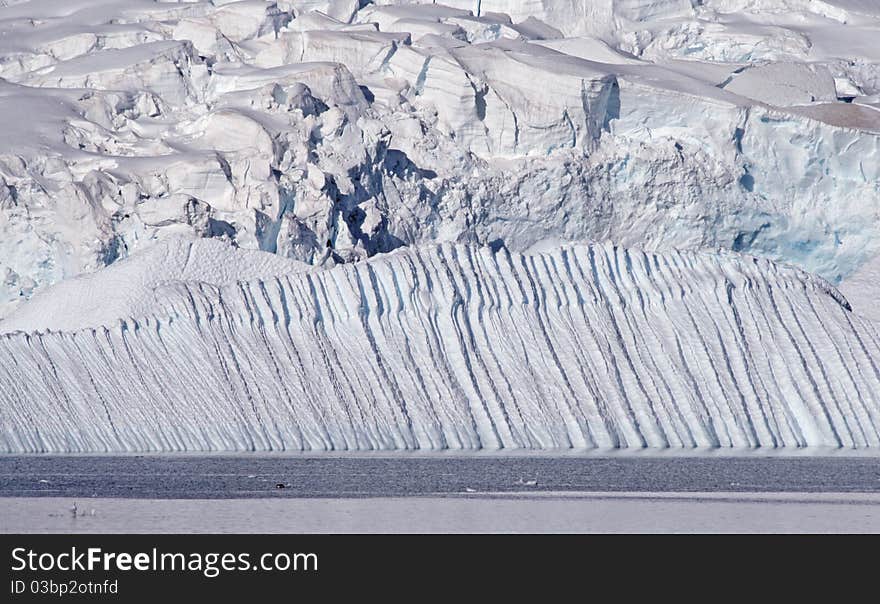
pixel 459 347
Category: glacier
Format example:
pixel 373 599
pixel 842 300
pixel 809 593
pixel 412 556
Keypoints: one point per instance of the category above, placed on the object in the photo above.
pixel 455 347
pixel 351 225
pixel 751 125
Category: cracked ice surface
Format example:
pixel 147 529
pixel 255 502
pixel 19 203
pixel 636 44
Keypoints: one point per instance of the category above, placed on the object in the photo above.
pixel 236 225
pixel 288 126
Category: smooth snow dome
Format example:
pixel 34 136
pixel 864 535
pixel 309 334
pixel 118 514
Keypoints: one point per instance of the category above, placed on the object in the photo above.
pixel 349 225
pixel 134 286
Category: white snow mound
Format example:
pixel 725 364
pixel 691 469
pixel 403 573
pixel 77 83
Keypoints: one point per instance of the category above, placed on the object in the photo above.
pixel 132 287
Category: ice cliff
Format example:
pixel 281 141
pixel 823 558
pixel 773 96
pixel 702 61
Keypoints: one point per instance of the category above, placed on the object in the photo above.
pixel 455 347
pixel 353 225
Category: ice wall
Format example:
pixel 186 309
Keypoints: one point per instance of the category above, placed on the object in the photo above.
pixel 454 347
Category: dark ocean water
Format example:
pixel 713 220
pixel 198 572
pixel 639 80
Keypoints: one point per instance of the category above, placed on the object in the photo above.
pixel 194 477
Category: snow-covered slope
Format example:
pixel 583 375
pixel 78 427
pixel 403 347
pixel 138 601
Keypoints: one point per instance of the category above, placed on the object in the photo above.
pixel 312 224
pixel 134 286
pixel 286 126
pixel 863 290
pixel 458 347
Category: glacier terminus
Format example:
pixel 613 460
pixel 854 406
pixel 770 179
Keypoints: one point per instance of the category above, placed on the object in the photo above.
pixel 306 225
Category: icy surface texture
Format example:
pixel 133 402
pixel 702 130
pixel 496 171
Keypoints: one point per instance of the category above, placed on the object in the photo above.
pixel 327 132
pixel 348 225
pixel 458 347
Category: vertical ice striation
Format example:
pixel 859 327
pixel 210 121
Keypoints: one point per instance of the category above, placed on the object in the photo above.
pixel 457 347
pixel 227 225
